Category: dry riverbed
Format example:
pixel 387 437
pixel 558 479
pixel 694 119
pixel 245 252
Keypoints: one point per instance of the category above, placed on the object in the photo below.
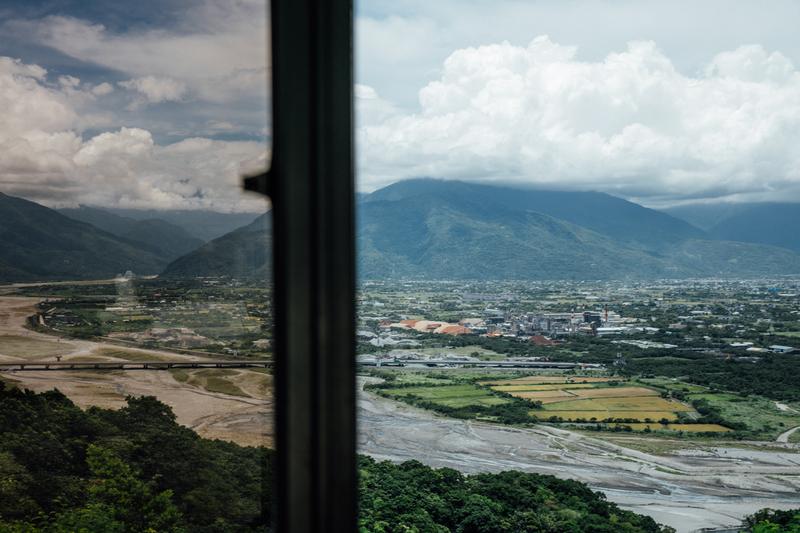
pixel 234 405
pixel 683 488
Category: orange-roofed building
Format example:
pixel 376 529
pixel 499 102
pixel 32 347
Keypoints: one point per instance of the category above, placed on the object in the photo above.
pixel 541 340
pixel 426 326
pixel 453 329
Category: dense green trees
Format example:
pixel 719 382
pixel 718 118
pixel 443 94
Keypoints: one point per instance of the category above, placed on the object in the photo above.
pixel 772 521
pixel 774 376
pixel 64 470
pixel 131 470
pixel 411 497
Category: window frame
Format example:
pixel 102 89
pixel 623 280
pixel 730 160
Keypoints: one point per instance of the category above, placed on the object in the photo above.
pixel 311 185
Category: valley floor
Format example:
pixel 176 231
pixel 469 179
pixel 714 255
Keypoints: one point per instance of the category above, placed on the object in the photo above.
pixel 240 412
pixel 685 485
pixel 687 489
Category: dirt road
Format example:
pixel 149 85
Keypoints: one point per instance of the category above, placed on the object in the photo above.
pixel 784 437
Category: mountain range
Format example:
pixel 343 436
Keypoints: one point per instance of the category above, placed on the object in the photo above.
pixel 243 253
pixel 37 243
pixel 765 223
pixel 444 229
pixel 432 229
pixel 165 239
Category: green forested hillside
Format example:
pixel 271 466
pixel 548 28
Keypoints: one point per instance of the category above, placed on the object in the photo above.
pixel 452 230
pixel 615 218
pixel 37 243
pixel 764 223
pixel 243 253
pixel 165 239
pixel 136 470
pixel 436 229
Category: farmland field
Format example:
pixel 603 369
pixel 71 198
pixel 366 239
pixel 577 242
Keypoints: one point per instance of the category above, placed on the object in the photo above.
pixel 602 415
pixel 597 400
pixel 450 395
pixel 528 380
pixel 611 405
pixel 563 386
pixel 691 428
pixel 615 403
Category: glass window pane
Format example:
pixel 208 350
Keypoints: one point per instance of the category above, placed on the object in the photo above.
pixel 135 273
pixel 578 260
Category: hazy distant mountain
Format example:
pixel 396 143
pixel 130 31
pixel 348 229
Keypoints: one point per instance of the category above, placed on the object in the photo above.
pixel 204 225
pixel 165 239
pixel 38 243
pixel 775 224
pixel 242 253
pixel 608 215
pixel 445 229
pixel 704 216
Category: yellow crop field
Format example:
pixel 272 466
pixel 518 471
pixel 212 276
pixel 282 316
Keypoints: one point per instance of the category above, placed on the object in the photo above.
pixel 596 400
pixel 552 395
pixel 563 386
pixel 545 394
pixel 637 403
pixel 601 415
pixel 693 428
pixel 533 380
pixel 615 392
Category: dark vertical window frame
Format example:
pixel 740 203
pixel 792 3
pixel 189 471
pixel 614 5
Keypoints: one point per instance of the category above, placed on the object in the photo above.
pixel 312 187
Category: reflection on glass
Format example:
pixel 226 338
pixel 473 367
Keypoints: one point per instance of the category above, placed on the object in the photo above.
pixel 135 287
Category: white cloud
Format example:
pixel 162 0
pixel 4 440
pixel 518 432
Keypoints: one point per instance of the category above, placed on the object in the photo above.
pixel 102 89
pixel 630 123
pixel 44 157
pixel 156 89
pixel 218 51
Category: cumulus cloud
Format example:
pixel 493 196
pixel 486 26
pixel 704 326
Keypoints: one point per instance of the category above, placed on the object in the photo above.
pixel 44 156
pixel 156 89
pixel 630 124
pixel 102 89
pixel 219 51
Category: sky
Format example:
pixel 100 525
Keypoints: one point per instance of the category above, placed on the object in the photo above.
pixel 163 104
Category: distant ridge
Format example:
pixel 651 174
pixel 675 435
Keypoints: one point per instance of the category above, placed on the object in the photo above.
pixel 775 224
pixel 38 243
pixel 434 229
pixel 243 253
pixel 165 239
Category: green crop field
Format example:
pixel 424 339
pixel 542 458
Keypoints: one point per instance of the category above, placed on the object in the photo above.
pixel 450 395
pixel 600 415
pixel 611 405
pixel 760 415
pixel 690 428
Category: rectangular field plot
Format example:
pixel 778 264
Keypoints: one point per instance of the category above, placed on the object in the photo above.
pixel 450 395
pixel 542 395
pixel 533 380
pixel 563 386
pixel 639 403
pixel 691 428
pixel 602 415
pixel 614 392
